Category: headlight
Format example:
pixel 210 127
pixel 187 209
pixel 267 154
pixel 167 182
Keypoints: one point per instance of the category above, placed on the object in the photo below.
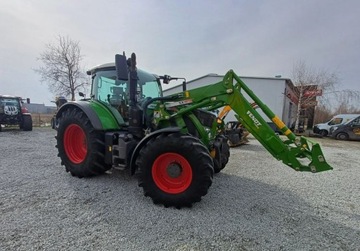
pixel 333 129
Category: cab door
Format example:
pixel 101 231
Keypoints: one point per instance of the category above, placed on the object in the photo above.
pixel 354 129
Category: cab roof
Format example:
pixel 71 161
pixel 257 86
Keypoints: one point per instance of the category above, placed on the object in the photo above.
pixel 110 67
pixel 107 66
pixel 9 96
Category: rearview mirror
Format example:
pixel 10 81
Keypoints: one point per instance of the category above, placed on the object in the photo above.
pixel 121 67
pixel 166 79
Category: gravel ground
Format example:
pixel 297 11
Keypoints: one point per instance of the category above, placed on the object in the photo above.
pixel 256 203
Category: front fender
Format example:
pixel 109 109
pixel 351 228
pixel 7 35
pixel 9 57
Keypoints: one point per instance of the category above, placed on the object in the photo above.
pixel 144 141
pixel 99 115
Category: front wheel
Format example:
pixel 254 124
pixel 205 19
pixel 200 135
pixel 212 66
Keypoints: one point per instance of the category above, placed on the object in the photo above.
pixel 26 123
pixel 323 133
pixel 81 148
pixel 175 170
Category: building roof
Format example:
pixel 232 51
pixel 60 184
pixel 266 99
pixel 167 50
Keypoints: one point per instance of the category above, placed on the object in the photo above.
pixel 222 76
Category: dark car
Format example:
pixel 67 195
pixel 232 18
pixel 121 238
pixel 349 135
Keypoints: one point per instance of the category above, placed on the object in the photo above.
pixel 348 131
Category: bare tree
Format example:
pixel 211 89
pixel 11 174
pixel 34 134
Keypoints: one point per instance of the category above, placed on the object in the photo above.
pixel 347 101
pixel 61 68
pixel 323 113
pixel 342 102
pixel 309 84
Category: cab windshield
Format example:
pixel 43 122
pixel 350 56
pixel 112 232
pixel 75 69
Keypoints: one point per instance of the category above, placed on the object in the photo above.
pixel 355 121
pixel 9 102
pixel 115 92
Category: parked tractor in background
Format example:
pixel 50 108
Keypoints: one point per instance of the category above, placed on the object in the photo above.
pixel 235 132
pixel 174 143
pixel 13 112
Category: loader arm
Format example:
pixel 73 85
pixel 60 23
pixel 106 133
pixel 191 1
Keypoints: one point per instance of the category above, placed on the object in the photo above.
pixel 299 153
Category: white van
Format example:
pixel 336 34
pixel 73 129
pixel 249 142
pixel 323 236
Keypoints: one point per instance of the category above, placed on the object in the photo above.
pixel 324 128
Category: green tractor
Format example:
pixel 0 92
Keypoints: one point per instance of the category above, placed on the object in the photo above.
pixel 175 143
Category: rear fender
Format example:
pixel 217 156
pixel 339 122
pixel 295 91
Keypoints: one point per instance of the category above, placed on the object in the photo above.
pixel 144 141
pixel 100 117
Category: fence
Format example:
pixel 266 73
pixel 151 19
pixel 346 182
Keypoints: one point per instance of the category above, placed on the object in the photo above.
pixel 41 119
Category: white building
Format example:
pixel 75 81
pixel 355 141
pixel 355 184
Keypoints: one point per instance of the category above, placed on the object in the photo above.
pixel 276 93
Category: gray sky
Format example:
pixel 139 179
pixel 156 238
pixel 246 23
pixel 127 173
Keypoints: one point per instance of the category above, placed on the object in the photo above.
pixel 182 38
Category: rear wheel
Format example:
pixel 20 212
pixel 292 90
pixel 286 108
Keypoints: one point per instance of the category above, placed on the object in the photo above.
pixel 222 153
pixel 26 123
pixel 175 170
pixel 342 136
pixel 81 148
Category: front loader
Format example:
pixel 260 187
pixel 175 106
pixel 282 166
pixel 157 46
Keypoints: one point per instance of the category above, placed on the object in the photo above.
pixel 174 143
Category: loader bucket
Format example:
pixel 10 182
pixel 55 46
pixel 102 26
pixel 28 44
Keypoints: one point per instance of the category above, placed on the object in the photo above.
pixel 306 156
pixel 318 162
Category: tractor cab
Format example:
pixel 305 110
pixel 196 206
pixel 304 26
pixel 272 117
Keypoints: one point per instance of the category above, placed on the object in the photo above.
pixel 108 89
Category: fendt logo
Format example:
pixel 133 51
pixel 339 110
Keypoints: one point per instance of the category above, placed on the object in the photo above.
pixel 256 122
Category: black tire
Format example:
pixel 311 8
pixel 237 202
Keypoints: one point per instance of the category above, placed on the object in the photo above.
pixel 175 170
pixel 224 154
pixel 323 133
pixel 81 148
pixel 26 123
pixel 342 136
pixel 53 122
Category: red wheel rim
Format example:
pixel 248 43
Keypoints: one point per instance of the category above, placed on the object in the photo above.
pixel 75 143
pixel 172 173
